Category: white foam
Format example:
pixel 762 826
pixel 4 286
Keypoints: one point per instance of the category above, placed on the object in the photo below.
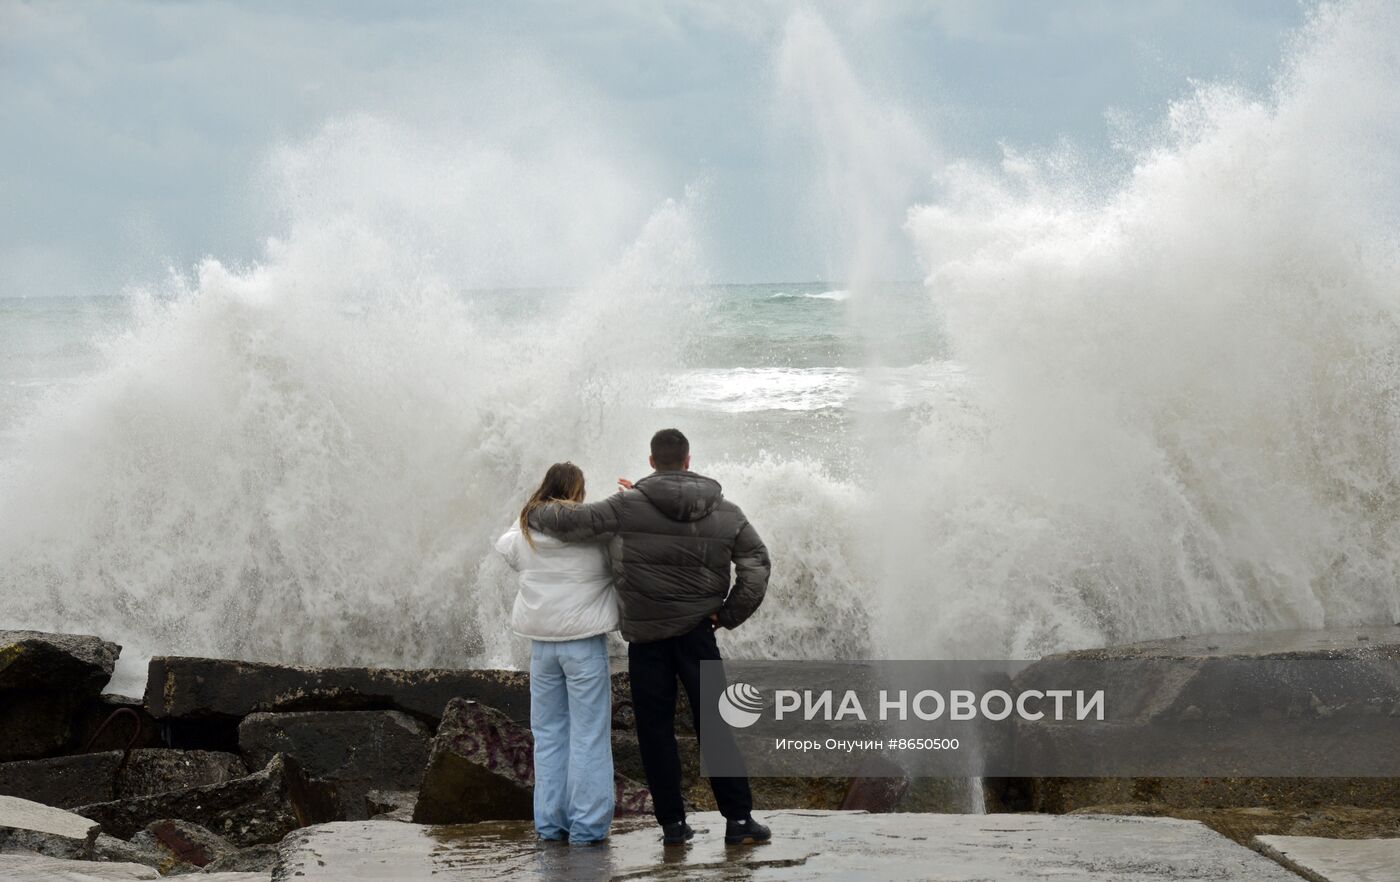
pixel 836 295
pixel 748 390
pixel 753 390
pixel 1184 419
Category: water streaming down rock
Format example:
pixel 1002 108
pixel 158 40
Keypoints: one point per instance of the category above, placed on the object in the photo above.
pixel 1171 407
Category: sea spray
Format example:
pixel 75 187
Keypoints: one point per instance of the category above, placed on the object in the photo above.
pixel 1182 413
pixel 1171 407
pixel 306 459
pixel 871 161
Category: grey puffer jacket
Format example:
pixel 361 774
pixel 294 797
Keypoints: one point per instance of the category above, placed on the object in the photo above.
pixel 672 540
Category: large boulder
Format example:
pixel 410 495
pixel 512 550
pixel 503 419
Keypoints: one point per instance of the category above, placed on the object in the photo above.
pixel 86 778
pixel 482 767
pixel 356 750
pixel 203 688
pixel 26 825
pixel 44 680
pixel 257 808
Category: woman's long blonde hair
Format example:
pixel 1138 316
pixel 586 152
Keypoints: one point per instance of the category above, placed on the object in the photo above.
pixel 562 483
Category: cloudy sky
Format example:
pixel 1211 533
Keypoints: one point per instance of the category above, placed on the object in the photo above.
pixel 138 134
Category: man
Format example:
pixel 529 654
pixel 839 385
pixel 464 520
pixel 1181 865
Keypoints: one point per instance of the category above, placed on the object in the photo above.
pixel 673 538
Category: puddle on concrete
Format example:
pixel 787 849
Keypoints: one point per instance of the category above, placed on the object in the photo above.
pixel 809 846
pixel 361 851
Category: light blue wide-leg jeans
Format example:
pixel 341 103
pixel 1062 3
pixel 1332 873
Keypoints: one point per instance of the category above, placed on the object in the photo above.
pixel 571 715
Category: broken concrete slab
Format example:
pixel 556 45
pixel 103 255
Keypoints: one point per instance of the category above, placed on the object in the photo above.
pixel 1335 860
pixel 111 849
pixel 40 660
pixel 257 808
pixel 390 805
pixel 482 767
pixel 1313 713
pixel 87 778
pixel 256 859
pixel 37 868
pixel 356 750
pixel 44 829
pixel 35 724
pixel 1058 795
pixel 201 688
pixel 813 846
pixel 44 680
pixel 182 844
pixel 1170 693
pixel 1243 824
pixel 64 781
pixel 155 770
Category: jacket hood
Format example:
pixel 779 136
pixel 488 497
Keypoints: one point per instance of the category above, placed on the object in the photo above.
pixel 681 496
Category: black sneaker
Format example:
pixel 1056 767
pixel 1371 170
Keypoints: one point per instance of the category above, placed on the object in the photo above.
pixel 678 833
pixel 746 832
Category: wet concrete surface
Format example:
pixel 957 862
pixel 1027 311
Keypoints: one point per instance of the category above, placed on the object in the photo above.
pixel 808 845
pixel 37 868
pixel 1336 860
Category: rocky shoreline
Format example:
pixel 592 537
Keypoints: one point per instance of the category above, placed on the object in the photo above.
pixel 223 761
pixel 234 755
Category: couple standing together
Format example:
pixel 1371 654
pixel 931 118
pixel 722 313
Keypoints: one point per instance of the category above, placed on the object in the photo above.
pixel 664 578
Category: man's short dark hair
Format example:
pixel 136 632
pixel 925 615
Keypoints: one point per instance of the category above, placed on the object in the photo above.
pixel 669 448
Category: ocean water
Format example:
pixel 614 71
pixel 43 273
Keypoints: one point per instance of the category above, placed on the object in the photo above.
pixel 1117 406
pixel 780 368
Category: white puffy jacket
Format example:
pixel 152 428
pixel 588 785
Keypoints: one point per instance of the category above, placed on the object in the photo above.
pixel 566 589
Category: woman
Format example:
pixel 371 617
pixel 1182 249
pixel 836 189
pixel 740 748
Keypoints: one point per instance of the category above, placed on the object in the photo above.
pixel 566 606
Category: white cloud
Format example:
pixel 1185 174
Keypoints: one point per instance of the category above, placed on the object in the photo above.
pixel 136 127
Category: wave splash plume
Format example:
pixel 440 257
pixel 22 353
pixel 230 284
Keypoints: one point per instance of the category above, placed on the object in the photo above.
pixel 1165 405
